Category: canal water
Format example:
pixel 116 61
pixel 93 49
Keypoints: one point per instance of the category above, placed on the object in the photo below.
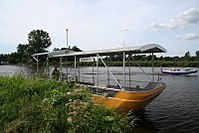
pixel 176 110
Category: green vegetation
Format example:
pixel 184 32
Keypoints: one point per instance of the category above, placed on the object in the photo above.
pixel 39 41
pixel 41 105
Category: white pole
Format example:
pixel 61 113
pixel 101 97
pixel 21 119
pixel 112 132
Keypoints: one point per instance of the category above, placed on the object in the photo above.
pixel 124 68
pixel 97 64
pixel 153 66
pixel 66 38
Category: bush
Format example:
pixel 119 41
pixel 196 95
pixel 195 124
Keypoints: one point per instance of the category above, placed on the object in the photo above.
pixel 39 105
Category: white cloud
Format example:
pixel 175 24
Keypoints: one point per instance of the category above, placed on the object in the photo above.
pixel 126 29
pixel 183 19
pixel 190 36
pixel 96 24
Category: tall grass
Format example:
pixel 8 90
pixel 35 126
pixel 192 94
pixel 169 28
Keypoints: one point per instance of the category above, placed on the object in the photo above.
pixel 39 105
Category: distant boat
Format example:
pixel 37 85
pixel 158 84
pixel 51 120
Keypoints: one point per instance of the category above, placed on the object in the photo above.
pixel 180 71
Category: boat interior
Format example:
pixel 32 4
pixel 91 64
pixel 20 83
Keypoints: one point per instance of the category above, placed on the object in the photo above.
pixel 112 81
pixel 110 91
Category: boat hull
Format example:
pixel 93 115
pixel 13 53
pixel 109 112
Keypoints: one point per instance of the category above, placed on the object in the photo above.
pixel 125 101
pixel 179 72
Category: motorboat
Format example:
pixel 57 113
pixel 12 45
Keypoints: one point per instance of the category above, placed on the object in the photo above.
pixel 180 71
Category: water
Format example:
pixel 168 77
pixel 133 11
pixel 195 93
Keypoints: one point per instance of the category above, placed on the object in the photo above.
pixel 12 69
pixel 176 110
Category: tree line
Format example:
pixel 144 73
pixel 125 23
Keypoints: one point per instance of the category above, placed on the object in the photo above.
pixel 39 41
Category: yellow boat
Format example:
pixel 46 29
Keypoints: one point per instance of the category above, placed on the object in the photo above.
pixel 120 97
pixel 125 101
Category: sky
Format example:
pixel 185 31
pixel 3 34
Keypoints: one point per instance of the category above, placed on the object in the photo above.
pixel 103 24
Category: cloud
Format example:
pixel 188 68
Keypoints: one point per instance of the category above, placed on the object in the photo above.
pixel 190 36
pixel 126 29
pixel 182 20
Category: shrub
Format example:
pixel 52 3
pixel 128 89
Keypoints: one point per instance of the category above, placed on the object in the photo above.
pixel 39 105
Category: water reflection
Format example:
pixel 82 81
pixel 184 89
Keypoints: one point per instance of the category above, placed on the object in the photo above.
pixel 144 124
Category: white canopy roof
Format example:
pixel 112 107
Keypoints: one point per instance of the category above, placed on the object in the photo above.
pixel 150 48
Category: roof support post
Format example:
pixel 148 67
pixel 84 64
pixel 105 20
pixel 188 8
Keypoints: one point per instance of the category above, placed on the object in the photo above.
pixel 97 65
pixel 60 68
pixel 37 64
pixel 79 73
pixel 124 69
pixel 75 67
pixel 99 57
pixel 153 66
pixel 47 67
pixel 129 64
pixel 93 78
pixel 66 69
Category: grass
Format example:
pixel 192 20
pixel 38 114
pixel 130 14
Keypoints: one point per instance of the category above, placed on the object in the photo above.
pixel 41 105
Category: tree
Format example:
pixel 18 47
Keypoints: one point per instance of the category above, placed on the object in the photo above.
pixel 22 53
pixel 75 48
pixel 56 49
pixel 187 55
pixel 13 58
pixel 197 54
pixel 38 41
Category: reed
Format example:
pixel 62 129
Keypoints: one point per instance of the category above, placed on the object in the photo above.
pixel 40 105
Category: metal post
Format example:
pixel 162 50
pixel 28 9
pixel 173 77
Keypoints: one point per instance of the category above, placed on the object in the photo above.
pixel 110 71
pixel 153 66
pixel 124 79
pixel 47 68
pixel 37 64
pixel 108 78
pixel 97 65
pixel 66 38
pixel 75 67
pixel 78 72
pixel 129 71
pixel 66 70
pixel 93 73
pixel 60 68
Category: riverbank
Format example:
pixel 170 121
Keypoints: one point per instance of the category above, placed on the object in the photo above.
pixel 40 105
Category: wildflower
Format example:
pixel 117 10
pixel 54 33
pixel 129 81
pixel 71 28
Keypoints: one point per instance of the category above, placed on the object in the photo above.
pixel 72 113
pixel 108 118
pixel 69 119
pixel 70 100
pixel 68 93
